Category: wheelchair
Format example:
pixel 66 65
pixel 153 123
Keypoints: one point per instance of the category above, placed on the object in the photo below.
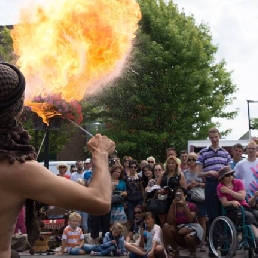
pixel 226 237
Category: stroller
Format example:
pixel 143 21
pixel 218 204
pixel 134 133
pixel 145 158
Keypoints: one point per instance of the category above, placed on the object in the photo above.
pixel 54 221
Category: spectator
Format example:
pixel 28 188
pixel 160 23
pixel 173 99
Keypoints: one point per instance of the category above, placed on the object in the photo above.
pixel 148 177
pixel 118 186
pixel 193 181
pixel 113 243
pixel 73 238
pixel 236 152
pixel 135 191
pixel 125 164
pixel 151 160
pixel 150 244
pixel 171 179
pixel 158 169
pixel 73 169
pixel 231 193
pixel 62 168
pixel 182 228
pixel 87 172
pixel 134 231
pixel 87 165
pixel 142 163
pixel 210 160
pixel 184 160
pixel 80 173
pixel 246 169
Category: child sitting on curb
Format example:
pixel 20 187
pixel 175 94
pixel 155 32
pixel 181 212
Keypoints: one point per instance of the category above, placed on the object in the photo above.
pixel 73 238
pixel 113 242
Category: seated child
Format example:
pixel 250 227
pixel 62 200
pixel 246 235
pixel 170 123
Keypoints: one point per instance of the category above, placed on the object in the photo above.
pixel 73 238
pixel 113 242
pixel 150 244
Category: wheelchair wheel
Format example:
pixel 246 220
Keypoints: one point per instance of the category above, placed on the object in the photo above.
pixel 223 237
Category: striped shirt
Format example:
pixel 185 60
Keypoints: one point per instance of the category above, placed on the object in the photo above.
pixel 213 160
pixel 72 237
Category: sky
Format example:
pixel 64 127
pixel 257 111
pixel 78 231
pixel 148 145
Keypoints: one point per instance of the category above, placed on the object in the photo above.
pixel 233 25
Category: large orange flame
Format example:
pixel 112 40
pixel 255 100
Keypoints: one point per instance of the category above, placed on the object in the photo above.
pixel 73 47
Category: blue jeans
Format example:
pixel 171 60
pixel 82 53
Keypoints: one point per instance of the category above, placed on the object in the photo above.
pixel 105 251
pixel 213 205
pixel 84 221
pixel 87 248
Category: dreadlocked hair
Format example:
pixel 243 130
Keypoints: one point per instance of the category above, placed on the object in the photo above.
pixel 33 222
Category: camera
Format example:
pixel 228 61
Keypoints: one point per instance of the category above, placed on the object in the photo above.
pixel 178 195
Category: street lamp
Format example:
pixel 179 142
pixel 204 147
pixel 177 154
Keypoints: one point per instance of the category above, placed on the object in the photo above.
pixel 249 119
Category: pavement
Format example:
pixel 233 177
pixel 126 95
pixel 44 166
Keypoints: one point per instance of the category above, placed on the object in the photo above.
pixel 183 254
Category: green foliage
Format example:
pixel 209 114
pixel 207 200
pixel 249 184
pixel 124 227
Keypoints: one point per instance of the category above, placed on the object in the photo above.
pixel 172 88
pixel 6 45
pixel 254 123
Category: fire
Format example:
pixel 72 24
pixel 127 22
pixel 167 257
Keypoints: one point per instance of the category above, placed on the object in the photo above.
pixel 73 47
pixel 44 110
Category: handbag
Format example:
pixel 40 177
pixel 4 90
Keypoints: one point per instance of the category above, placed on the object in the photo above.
pixel 117 199
pixel 198 194
pixel 157 206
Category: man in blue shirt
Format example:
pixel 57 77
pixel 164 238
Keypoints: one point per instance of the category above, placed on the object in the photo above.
pixel 210 160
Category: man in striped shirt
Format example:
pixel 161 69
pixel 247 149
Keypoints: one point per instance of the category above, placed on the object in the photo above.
pixel 210 160
pixel 73 238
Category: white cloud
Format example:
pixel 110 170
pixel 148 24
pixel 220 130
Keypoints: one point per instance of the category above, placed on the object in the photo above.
pixel 233 25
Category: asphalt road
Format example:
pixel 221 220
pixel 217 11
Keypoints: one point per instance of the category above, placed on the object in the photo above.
pixel 183 254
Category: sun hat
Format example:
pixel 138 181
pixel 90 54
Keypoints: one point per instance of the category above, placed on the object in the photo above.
pixel 62 164
pixel 225 170
pixel 87 161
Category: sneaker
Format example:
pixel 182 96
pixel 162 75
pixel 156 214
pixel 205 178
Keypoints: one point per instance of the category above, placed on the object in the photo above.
pixel 202 248
pixel 92 253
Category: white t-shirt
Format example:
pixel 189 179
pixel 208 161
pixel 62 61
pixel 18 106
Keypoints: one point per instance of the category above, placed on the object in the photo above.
pixel 75 176
pixel 248 172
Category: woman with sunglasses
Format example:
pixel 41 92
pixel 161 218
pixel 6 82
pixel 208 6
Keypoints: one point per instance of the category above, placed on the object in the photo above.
pixel 134 231
pixel 232 194
pixel 193 181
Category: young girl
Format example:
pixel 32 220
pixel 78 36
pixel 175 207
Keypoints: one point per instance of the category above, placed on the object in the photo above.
pixel 113 242
pixel 150 244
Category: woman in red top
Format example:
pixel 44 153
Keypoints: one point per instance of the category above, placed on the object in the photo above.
pixel 232 194
pixel 182 228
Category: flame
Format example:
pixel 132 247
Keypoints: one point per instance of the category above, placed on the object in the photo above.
pixel 72 47
pixel 44 110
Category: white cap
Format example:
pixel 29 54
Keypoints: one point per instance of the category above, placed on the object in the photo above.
pixel 87 161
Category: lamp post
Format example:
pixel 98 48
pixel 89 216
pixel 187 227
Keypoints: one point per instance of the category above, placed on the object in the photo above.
pixel 249 119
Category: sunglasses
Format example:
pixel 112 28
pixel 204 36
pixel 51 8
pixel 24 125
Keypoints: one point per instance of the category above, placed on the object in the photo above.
pixel 62 167
pixel 229 174
pixel 126 160
pixel 150 161
pixel 74 170
pixel 133 167
pixel 137 212
pixel 191 159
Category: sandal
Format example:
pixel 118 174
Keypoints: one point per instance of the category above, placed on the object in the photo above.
pixel 174 254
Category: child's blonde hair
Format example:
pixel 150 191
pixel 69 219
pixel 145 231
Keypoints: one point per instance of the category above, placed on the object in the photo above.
pixel 117 227
pixel 75 215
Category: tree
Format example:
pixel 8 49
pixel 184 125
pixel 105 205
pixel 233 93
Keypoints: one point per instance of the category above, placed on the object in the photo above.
pixel 172 88
pixel 6 42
